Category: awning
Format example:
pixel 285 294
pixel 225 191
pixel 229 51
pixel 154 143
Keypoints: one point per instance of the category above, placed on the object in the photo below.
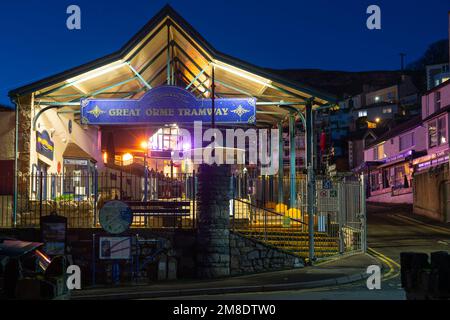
pixel 73 151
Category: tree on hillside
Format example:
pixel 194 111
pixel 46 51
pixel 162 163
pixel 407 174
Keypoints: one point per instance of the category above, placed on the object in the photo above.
pixel 436 53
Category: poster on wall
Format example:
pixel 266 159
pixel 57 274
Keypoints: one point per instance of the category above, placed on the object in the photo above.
pixel 44 145
pixel 115 248
pixel 53 232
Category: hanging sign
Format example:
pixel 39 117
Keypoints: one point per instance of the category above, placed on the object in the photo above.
pixel 44 145
pixel 167 104
pixel 53 233
pixel 115 248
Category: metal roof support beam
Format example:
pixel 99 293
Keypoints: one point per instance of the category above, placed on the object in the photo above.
pixel 139 76
pixel 196 77
pixel 93 94
pixel 311 178
pixel 168 53
pixel 190 59
pixel 191 73
pixel 280 162
pixel 292 167
pixel 152 60
pixel 234 88
pixel 59 104
pixel 279 103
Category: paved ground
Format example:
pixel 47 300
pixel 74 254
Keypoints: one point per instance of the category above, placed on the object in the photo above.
pixel 391 230
pixel 343 270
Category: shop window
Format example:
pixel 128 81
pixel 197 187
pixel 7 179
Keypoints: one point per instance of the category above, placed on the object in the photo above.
pixel 375 182
pixel 399 177
pixel 385 178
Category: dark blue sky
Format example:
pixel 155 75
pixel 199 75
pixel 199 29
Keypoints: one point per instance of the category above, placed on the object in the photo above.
pixel 332 34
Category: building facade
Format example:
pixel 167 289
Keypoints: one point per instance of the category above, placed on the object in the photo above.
pixel 431 179
pixel 390 179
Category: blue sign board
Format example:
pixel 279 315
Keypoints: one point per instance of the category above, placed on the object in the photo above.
pixel 326 184
pixel 44 145
pixel 167 104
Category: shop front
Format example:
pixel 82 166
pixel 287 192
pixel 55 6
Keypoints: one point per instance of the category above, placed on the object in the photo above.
pixel 432 186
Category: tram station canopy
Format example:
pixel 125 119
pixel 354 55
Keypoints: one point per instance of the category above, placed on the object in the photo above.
pixel 168 51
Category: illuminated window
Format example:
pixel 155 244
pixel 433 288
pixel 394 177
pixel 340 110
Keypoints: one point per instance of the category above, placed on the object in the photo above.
pixel 378 152
pixel 432 135
pixel 362 113
pixel 442 131
pixel 437 132
pixel 387 110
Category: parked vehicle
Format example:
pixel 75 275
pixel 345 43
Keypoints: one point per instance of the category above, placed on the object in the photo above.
pixel 26 272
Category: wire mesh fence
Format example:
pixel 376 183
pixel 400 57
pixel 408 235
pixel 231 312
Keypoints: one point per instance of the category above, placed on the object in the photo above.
pixel 79 197
pixel 261 207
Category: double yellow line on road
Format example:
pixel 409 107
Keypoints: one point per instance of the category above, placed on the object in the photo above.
pixel 421 223
pixel 394 267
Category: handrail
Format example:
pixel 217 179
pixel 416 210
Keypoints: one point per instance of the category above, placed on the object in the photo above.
pixel 268 210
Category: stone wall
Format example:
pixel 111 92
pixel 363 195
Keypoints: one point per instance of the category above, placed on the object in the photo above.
pixel 7 131
pixel 213 250
pixel 24 134
pixel 430 198
pixel 250 256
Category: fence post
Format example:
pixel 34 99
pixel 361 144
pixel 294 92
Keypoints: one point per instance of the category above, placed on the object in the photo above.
pixel 339 216
pixel 363 214
pixel 194 198
pixel 95 197
pixel 40 193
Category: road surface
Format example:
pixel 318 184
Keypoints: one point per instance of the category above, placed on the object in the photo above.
pixel 391 230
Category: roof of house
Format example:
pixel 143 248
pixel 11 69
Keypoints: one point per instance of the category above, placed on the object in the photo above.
pixel 73 151
pixel 440 86
pixel 398 129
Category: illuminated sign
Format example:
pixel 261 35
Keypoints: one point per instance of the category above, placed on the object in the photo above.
pixel 167 104
pixel 431 160
pixel 44 145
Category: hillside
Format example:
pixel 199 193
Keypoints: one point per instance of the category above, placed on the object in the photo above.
pixel 343 83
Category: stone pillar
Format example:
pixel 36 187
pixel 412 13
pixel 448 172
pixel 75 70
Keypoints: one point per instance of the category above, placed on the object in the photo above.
pixel 24 133
pixel 213 242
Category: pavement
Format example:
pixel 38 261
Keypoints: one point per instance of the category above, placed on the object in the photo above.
pixel 332 272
